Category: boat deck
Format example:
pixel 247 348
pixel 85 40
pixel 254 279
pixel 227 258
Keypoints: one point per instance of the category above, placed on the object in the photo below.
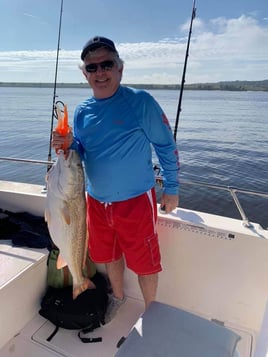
pixel 23 271
pixel 27 267
pixel 32 338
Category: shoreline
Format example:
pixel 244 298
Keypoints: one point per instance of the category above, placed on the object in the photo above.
pixel 226 86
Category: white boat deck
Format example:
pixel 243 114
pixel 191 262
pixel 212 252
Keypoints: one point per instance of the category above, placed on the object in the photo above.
pixel 26 268
pixel 16 260
pixel 32 339
pixel 22 280
pixel 22 285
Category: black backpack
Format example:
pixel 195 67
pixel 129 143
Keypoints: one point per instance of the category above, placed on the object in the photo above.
pixel 85 313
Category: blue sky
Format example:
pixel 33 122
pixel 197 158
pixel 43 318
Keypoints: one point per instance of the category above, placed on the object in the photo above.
pixel 229 39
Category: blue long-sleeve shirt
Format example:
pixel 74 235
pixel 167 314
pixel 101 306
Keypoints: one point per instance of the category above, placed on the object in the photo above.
pixel 114 137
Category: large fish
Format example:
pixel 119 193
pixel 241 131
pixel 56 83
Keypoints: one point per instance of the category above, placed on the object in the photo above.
pixel 65 214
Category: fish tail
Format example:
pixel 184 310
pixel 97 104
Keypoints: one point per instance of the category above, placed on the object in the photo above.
pixel 79 288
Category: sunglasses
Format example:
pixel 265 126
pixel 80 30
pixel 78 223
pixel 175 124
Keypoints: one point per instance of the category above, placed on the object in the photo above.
pixel 105 66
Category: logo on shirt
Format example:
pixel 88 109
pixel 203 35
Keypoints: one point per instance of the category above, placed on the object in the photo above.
pixel 165 121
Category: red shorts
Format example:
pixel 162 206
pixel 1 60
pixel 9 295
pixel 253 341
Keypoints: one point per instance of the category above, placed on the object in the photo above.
pixel 126 227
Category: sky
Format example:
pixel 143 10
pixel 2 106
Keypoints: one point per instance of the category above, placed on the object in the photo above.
pixel 229 39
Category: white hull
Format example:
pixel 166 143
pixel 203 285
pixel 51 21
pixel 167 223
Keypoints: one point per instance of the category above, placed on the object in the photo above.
pixel 212 266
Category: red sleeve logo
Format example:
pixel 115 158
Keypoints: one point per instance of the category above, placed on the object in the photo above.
pixel 165 121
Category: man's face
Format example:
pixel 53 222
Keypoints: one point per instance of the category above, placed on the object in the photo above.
pixel 103 74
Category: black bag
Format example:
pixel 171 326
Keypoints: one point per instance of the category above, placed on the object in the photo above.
pixel 85 313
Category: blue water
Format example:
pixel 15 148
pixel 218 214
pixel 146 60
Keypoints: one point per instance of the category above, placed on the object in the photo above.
pixel 222 138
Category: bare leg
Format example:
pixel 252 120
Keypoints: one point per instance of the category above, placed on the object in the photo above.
pixel 148 285
pixel 115 271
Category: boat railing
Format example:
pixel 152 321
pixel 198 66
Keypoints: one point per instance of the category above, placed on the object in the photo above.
pixel 15 159
pixel 232 190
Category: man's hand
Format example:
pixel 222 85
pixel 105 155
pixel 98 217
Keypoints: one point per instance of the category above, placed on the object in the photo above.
pixel 60 141
pixel 169 202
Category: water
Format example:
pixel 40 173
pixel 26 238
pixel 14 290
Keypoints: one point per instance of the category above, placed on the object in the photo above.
pixel 222 139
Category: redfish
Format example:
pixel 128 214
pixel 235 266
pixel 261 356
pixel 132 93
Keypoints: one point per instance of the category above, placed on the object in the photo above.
pixel 65 214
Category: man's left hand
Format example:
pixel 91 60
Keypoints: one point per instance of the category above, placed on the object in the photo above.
pixel 169 202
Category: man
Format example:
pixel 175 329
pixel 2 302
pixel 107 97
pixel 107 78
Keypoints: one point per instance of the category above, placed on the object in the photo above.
pixel 113 131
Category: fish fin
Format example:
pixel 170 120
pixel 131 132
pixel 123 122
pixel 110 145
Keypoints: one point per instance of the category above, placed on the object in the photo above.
pixel 66 214
pixel 79 289
pixel 47 216
pixel 85 251
pixel 61 263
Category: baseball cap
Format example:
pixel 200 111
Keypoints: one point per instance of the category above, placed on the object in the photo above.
pixel 96 42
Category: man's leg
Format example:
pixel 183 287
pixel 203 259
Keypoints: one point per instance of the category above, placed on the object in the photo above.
pixel 115 271
pixel 148 285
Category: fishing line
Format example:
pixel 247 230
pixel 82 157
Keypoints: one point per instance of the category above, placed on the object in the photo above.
pixel 184 72
pixel 55 86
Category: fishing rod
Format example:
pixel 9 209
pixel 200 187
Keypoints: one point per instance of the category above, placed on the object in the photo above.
pixel 157 170
pixel 184 71
pixel 55 85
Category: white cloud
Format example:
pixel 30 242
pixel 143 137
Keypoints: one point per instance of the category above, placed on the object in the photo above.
pixel 222 49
